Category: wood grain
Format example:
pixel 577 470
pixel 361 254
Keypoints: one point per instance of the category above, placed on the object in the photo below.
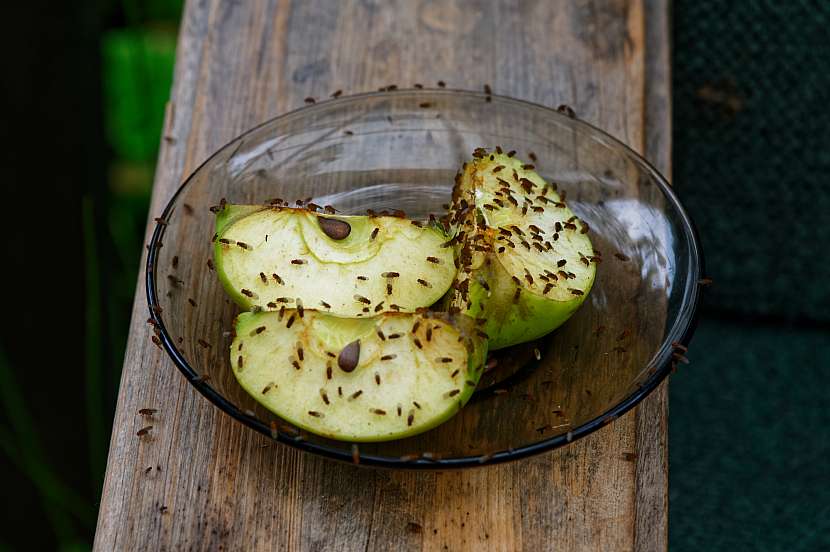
pixel 214 484
pixel 652 475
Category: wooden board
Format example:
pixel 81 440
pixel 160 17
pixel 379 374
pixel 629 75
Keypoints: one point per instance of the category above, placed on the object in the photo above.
pixel 213 484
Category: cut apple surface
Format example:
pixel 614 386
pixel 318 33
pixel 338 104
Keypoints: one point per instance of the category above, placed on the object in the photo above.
pixel 358 379
pixel 527 263
pixel 340 341
pixel 270 257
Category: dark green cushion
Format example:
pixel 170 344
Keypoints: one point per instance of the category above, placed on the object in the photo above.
pixel 752 149
pixel 749 440
pixel 750 418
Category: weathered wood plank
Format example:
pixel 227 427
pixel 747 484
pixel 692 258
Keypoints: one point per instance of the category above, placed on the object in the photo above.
pixel 652 475
pixel 240 63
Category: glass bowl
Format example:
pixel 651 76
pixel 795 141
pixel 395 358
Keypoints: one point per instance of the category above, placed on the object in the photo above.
pixel 401 150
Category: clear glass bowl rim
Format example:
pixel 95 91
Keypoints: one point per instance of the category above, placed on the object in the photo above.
pixel 681 332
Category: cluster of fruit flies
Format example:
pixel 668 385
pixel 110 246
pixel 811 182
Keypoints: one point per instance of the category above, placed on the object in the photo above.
pixel 348 359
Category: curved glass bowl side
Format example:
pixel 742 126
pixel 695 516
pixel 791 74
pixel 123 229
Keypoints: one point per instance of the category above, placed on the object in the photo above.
pixel 680 330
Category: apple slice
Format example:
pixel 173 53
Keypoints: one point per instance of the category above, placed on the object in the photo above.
pixel 527 263
pixel 358 379
pixel 269 257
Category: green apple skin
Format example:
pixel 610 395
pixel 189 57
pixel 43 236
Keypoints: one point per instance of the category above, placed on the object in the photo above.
pixel 229 213
pixel 513 266
pixel 510 320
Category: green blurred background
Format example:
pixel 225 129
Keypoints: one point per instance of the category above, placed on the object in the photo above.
pixel 749 440
pixel 85 89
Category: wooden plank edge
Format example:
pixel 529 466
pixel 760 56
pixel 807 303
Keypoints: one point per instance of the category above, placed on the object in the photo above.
pixel 176 128
pixel 651 524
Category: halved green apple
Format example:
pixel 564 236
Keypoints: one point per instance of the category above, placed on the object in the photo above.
pixel 358 379
pixel 527 263
pixel 270 257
